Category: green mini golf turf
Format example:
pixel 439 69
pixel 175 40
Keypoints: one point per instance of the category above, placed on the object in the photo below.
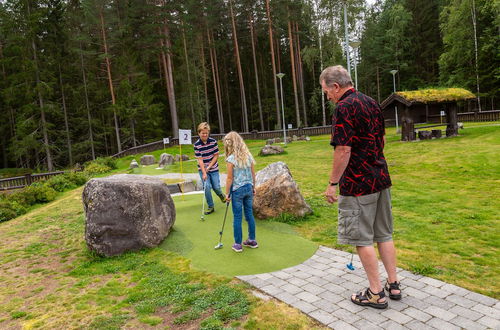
pixel 279 246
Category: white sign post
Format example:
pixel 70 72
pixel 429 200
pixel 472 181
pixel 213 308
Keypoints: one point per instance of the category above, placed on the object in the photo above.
pixel 289 126
pixel 442 115
pixel 166 141
pixel 184 138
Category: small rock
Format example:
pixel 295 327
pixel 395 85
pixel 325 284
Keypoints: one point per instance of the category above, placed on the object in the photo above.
pixel 148 160
pixel 271 150
pixel 184 158
pixel 166 159
pixel 133 164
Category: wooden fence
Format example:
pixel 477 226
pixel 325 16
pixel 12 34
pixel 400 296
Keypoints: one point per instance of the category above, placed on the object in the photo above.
pixel 265 135
pixel 25 180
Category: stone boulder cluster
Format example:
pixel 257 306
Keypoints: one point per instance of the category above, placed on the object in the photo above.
pixel 126 213
pixel 289 139
pixel 165 159
pixel 277 193
pixel 271 149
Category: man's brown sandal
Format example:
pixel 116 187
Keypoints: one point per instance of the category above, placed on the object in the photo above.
pixel 368 298
pixel 389 287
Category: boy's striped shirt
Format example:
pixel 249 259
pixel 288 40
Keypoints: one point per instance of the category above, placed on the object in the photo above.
pixel 207 151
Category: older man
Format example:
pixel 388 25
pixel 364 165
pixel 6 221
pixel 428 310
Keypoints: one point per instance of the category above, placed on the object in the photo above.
pixel 360 172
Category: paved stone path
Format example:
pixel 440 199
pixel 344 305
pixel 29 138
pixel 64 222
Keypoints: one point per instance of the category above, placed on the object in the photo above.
pixel 321 287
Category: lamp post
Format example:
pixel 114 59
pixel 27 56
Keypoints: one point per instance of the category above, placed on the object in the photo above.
pixel 355 46
pixel 346 39
pixel 393 72
pixel 281 75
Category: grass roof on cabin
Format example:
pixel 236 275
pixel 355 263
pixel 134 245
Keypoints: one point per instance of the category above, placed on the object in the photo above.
pixel 436 95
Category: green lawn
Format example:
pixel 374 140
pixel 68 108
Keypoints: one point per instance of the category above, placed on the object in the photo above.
pixel 445 203
pixel 279 245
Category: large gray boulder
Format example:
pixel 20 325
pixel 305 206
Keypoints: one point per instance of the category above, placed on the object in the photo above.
pixel 148 160
pixel 276 192
pixel 166 159
pixel 126 213
pixel 271 150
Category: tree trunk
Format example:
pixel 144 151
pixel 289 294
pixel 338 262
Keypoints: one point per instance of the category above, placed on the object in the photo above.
pixel 215 76
pixel 378 85
pixel 65 112
pixel 12 117
pixel 48 154
pixel 207 105
pixel 473 11
pixel 189 81
pixel 132 128
pixel 110 80
pixel 87 104
pixel 170 81
pixel 4 152
pixel 228 100
pixel 261 118
pixel 323 110
pixel 301 75
pixel 240 73
pixel 275 82
pixel 294 79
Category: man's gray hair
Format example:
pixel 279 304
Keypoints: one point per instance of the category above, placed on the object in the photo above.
pixel 335 74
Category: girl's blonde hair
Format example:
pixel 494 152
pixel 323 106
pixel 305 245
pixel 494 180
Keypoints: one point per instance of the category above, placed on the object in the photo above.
pixel 234 145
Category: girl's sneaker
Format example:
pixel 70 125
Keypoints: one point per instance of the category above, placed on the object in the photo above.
pixel 237 247
pixel 251 244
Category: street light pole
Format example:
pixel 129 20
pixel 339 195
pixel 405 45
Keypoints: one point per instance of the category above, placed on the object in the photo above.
pixel 355 46
pixel 393 72
pixel 346 39
pixel 280 76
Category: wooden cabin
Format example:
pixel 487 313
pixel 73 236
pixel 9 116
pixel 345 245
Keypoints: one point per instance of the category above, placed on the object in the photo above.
pixel 424 106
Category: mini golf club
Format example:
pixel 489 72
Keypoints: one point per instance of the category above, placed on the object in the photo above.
pixel 203 203
pixel 220 245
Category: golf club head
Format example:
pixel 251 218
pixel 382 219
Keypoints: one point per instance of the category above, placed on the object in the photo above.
pixel 218 246
pixel 202 218
pixel 350 266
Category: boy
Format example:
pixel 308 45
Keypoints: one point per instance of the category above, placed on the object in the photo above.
pixel 207 153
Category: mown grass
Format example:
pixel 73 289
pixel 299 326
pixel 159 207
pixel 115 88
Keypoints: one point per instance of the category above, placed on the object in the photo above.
pixel 51 281
pixel 446 226
pixel 445 201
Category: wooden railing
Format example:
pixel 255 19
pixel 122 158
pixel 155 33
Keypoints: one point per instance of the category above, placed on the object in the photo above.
pixel 265 135
pixel 492 115
pixel 25 180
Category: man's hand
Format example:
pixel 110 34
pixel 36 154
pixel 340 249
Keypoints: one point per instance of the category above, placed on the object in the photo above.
pixel 228 198
pixel 205 176
pixel 331 194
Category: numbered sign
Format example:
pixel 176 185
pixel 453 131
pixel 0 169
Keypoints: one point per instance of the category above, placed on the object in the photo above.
pixel 442 113
pixel 166 140
pixel 185 136
pixel 289 126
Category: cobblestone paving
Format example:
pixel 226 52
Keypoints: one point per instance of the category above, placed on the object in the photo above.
pixel 321 287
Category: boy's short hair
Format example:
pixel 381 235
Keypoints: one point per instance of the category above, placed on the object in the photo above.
pixel 203 126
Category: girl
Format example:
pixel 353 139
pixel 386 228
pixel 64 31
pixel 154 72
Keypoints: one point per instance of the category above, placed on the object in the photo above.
pixel 240 185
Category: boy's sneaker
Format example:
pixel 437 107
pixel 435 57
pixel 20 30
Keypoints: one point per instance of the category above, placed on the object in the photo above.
pixel 237 247
pixel 210 210
pixel 222 198
pixel 251 244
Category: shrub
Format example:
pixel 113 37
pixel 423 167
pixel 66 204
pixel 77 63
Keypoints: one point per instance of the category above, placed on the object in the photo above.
pixel 78 178
pixel 36 193
pixel 10 209
pixel 66 181
pixel 60 183
pixel 104 161
pixel 94 168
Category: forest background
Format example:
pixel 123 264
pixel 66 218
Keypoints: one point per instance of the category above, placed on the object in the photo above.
pixel 81 79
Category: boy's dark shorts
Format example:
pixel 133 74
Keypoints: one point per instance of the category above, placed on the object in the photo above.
pixel 366 219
